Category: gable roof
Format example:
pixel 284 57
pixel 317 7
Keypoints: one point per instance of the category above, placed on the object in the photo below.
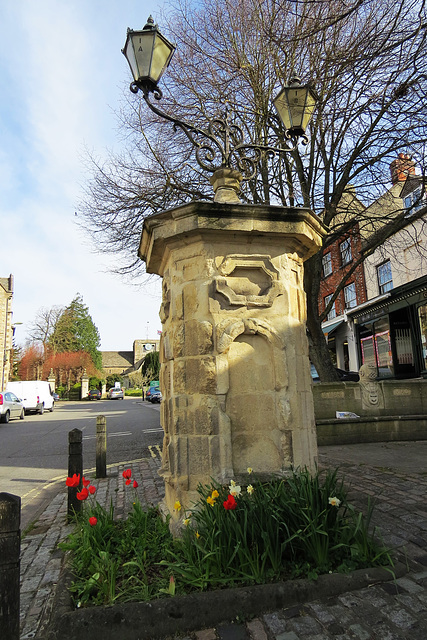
pixel 117 359
pixel 7 284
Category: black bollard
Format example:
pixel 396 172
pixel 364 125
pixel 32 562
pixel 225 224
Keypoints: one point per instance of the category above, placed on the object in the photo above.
pixel 101 447
pixel 10 550
pixel 75 466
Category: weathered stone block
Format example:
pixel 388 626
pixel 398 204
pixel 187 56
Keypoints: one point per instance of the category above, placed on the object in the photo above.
pixel 200 375
pixel 198 338
pixel 178 341
pixel 179 377
pixel 191 294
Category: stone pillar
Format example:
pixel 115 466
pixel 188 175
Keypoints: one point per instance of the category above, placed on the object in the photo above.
pixel 52 380
pixel 85 385
pixel 104 390
pixel 235 373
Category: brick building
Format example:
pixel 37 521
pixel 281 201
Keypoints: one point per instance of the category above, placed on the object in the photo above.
pixel 380 315
pixel 391 328
pixel 338 261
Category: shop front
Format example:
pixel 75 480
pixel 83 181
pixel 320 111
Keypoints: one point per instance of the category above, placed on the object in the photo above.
pixel 391 333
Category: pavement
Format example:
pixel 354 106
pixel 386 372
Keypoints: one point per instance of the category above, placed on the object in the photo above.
pixel 395 474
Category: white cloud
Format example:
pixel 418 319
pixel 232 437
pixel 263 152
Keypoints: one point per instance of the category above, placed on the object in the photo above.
pixel 62 71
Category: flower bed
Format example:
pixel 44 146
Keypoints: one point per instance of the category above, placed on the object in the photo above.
pixel 299 526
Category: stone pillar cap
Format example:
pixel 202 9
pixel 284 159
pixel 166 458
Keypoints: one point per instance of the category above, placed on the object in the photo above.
pixel 226 185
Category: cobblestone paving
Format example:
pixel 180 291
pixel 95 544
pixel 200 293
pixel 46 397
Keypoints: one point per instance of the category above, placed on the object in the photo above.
pixel 388 611
pixel 41 560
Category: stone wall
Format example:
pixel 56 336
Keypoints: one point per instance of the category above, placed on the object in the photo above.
pixel 373 429
pixel 382 398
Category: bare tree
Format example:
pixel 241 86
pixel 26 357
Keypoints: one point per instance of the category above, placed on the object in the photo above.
pixel 44 325
pixel 368 63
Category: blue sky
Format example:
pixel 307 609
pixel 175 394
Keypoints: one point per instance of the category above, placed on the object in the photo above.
pixel 62 77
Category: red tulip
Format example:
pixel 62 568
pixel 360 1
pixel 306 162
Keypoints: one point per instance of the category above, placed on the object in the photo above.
pixel 135 484
pixel 83 494
pixel 74 481
pixel 230 503
pixel 93 521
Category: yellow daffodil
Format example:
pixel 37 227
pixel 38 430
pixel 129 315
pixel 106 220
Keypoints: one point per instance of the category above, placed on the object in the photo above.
pixel 215 494
pixel 249 470
pixel 334 502
pixel 197 534
pixel 187 521
pixel 250 489
pixel 210 501
pixel 177 506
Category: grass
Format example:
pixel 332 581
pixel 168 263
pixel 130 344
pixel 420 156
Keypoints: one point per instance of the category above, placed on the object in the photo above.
pixel 301 526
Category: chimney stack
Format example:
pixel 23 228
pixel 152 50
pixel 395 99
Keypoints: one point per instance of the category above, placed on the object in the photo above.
pixel 401 168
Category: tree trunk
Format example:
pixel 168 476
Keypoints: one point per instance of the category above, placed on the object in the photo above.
pixel 319 352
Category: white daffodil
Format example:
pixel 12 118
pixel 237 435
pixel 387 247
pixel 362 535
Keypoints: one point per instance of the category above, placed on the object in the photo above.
pixel 235 489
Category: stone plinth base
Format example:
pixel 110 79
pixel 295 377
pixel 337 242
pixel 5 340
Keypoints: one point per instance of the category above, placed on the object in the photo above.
pixel 235 373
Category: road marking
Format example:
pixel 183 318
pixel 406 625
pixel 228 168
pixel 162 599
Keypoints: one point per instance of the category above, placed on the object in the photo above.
pixel 154 451
pixel 27 480
pixel 152 430
pixel 118 434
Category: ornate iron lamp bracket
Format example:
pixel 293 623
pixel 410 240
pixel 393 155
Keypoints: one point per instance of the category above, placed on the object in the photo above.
pixel 221 145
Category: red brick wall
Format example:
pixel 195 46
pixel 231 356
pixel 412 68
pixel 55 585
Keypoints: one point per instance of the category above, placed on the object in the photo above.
pixel 329 284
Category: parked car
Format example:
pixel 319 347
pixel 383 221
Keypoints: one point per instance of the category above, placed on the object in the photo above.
pixel 115 393
pixel 55 396
pixel 94 394
pixel 344 376
pixel 156 395
pixel 150 391
pixel 10 407
pixel 348 376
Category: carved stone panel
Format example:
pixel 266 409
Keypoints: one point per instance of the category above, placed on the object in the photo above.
pixel 251 281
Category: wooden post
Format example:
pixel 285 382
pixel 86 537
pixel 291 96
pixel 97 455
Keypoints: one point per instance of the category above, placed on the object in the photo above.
pixel 75 465
pixel 101 447
pixel 10 550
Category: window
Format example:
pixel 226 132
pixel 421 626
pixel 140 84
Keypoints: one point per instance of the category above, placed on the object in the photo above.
pixel 385 281
pixel 422 316
pixel 345 251
pixel 332 313
pixel 327 264
pixel 415 200
pixel 350 296
pixel 375 345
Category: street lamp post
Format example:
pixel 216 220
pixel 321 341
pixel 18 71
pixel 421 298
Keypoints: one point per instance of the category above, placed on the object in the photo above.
pixel 235 373
pixel 220 148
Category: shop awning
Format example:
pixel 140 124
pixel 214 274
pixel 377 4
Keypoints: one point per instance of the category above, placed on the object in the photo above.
pixel 328 329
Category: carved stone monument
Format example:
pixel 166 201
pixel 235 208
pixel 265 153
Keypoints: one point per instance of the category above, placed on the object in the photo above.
pixel 52 380
pixel 372 394
pixel 235 373
pixel 85 385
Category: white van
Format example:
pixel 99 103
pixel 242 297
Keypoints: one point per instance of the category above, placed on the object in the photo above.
pixel 36 395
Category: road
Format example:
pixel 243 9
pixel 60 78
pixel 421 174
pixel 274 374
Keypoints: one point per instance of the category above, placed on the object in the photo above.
pixel 34 451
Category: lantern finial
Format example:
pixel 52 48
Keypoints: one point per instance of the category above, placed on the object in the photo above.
pixel 150 23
